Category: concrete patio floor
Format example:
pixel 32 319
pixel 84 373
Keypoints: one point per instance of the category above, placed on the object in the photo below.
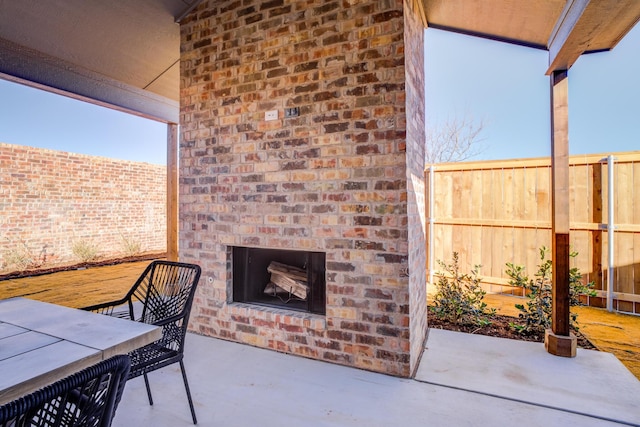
pixel 463 380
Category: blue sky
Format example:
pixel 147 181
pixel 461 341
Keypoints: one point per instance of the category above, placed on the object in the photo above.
pixel 37 118
pixel 503 85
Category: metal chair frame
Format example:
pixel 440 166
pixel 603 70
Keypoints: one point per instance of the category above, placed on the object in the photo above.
pixel 162 296
pixel 88 398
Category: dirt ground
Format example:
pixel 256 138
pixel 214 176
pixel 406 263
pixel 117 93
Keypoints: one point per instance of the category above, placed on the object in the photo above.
pixel 611 332
pixel 76 288
pixel 91 264
pixel 500 327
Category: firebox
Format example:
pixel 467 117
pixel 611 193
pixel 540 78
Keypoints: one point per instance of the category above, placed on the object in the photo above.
pixel 294 280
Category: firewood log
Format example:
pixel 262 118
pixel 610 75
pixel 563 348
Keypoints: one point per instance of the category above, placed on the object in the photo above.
pixel 288 271
pixel 296 287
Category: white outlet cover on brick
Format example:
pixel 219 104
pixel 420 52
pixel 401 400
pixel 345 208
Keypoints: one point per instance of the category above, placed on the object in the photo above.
pixel 271 115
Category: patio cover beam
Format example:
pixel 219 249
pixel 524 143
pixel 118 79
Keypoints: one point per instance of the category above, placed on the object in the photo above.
pixel 587 26
pixel 172 192
pixel 36 69
pixel 559 341
pixel 562 54
pixel 583 26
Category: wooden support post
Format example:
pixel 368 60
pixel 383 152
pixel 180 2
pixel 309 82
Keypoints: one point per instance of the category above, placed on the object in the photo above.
pixel 428 226
pixel 559 340
pixel 172 192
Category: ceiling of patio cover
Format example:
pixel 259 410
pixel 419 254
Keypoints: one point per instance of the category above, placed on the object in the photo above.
pixel 122 53
pixel 566 28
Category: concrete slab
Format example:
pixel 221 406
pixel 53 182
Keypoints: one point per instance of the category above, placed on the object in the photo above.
pixel 239 385
pixel 593 383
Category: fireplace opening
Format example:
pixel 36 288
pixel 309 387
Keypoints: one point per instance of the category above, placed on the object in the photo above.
pixel 280 278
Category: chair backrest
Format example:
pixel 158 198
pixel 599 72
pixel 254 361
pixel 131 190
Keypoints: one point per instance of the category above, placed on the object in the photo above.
pixel 86 398
pixel 166 290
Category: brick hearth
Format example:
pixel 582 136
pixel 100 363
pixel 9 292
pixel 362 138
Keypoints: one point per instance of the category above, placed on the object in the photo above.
pixel 344 177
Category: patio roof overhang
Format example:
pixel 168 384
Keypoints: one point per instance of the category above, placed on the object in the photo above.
pixel 121 54
pixel 566 28
pixel 125 54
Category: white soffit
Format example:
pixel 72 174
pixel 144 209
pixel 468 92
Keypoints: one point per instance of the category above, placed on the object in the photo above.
pixel 133 45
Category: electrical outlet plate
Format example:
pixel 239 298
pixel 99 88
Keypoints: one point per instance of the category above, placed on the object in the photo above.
pixel 271 115
pixel 291 112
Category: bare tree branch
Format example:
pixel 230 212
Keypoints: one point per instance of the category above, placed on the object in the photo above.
pixel 454 140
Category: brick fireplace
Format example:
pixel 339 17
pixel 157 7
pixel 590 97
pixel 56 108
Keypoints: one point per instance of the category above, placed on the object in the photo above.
pixel 341 178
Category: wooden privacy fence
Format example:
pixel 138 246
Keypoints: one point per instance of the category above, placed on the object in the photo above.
pixel 496 212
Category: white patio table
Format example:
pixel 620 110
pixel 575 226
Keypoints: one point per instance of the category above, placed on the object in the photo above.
pixel 41 343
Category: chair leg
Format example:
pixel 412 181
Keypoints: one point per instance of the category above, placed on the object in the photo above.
pixel 146 383
pixel 186 387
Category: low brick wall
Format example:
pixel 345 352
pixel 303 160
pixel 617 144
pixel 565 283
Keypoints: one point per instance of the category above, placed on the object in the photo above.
pixel 51 201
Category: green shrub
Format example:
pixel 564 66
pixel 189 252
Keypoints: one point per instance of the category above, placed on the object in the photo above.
pixel 459 296
pixel 536 313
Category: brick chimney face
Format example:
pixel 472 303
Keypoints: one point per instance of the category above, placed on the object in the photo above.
pixel 331 179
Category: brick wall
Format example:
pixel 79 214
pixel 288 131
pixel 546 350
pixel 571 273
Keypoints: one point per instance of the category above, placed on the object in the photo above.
pixel 50 200
pixel 416 213
pixel 335 179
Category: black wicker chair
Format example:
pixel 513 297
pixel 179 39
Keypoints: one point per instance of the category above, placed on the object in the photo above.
pixel 162 296
pixel 85 399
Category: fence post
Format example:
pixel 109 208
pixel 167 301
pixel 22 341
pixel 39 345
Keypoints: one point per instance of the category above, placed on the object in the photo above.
pixel 431 220
pixel 610 232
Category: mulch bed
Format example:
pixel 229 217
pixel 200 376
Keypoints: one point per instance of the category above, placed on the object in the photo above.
pixel 500 328
pixel 100 263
